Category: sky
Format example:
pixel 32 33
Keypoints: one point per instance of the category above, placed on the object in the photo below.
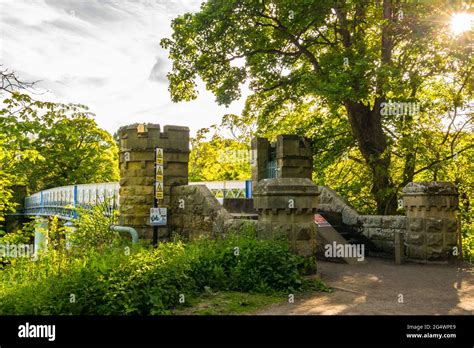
pixel 104 54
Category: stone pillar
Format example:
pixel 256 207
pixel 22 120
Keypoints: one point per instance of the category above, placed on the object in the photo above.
pixel 259 159
pixel 137 171
pixel 294 157
pixel 41 235
pixel 286 206
pixel 432 226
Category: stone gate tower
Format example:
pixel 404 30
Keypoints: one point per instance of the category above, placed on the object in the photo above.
pixel 290 156
pixel 137 144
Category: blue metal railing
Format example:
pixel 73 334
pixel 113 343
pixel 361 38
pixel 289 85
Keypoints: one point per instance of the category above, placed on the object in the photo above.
pixel 63 201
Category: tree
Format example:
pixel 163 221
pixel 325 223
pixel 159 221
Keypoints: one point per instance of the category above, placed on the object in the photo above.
pixel 9 82
pixel 219 158
pixel 346 58
pixel 45 144
pixel 9 139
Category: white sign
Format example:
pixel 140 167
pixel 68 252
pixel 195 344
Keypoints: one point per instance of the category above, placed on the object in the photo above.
pixel 158 216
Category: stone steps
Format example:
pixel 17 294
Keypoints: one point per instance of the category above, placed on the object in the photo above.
pixel 328 235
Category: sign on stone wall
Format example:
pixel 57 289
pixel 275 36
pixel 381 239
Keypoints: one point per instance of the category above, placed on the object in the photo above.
pixel 158 216
pixel 159 174
pixel 159 155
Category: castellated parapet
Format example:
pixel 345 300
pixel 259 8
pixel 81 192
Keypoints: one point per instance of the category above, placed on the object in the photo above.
pixel 286 207
pixel 432 224
pixel 137 143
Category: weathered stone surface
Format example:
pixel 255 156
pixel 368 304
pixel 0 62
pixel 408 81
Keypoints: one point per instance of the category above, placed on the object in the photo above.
pixel 416 238
pixel 451 225
pixel 137 146
pixel 349 216
pixel 286 207
pixel 201 213
pixel 434 225
pixel 398 222
pixel 416 252
pixel 430 208
pixel 434 239
pixel 415 224
pixel 451 239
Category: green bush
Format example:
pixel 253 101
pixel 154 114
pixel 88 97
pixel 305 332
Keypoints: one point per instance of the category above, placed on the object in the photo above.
pixel 148 281
pixel 93 227
pixel 467 233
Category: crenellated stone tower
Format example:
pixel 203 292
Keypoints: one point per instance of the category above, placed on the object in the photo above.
pixel 432 223
pixel 137 172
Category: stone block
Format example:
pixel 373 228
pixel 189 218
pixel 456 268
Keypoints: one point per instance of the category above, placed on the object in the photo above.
pixel 349 216
pixel 137 181
pixel 397 222
pixel 433 225
pixel 451 239
pixel 451 225
pixel 144 190
pixel 138 166
pixel 305 248
pixel 415 238
pixel 176 216
pixel 264 230
pixel 415 224
pixel 381 234
pixel 139 156
pixel 132 173
pixel 433 239
pixel 372 221
pixel 416 252
pixel 176 157
pixel 127 191
pixel 436 254
pixel 387 246
pixel 303 233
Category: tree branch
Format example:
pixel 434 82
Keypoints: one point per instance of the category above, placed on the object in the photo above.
pixel 442 160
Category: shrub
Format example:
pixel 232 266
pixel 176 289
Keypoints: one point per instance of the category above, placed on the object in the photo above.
pixel 93 227
pixel 148 281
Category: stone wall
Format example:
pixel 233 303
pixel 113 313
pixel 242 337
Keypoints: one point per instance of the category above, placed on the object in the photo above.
pixel 379 229
pixel 430 227
pixel 195 211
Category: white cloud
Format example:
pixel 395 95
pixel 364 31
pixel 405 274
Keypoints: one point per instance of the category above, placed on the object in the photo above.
pixel 104 54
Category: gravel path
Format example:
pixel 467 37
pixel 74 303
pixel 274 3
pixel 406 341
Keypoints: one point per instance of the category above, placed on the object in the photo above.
pixel 379 286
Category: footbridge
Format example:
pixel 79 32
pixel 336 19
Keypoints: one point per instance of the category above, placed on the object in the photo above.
pixel 63 201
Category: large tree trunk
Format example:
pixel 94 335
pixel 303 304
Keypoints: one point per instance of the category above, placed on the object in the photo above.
pixel 367 129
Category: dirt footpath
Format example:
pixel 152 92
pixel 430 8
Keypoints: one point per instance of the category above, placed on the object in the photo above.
pixel 379 287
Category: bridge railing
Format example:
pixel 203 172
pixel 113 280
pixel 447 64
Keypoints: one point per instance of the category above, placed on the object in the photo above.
pixel 62 201
pixel 228 189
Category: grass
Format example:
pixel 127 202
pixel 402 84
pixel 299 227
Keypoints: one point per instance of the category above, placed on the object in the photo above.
pixel 228 303
pixel 240 303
